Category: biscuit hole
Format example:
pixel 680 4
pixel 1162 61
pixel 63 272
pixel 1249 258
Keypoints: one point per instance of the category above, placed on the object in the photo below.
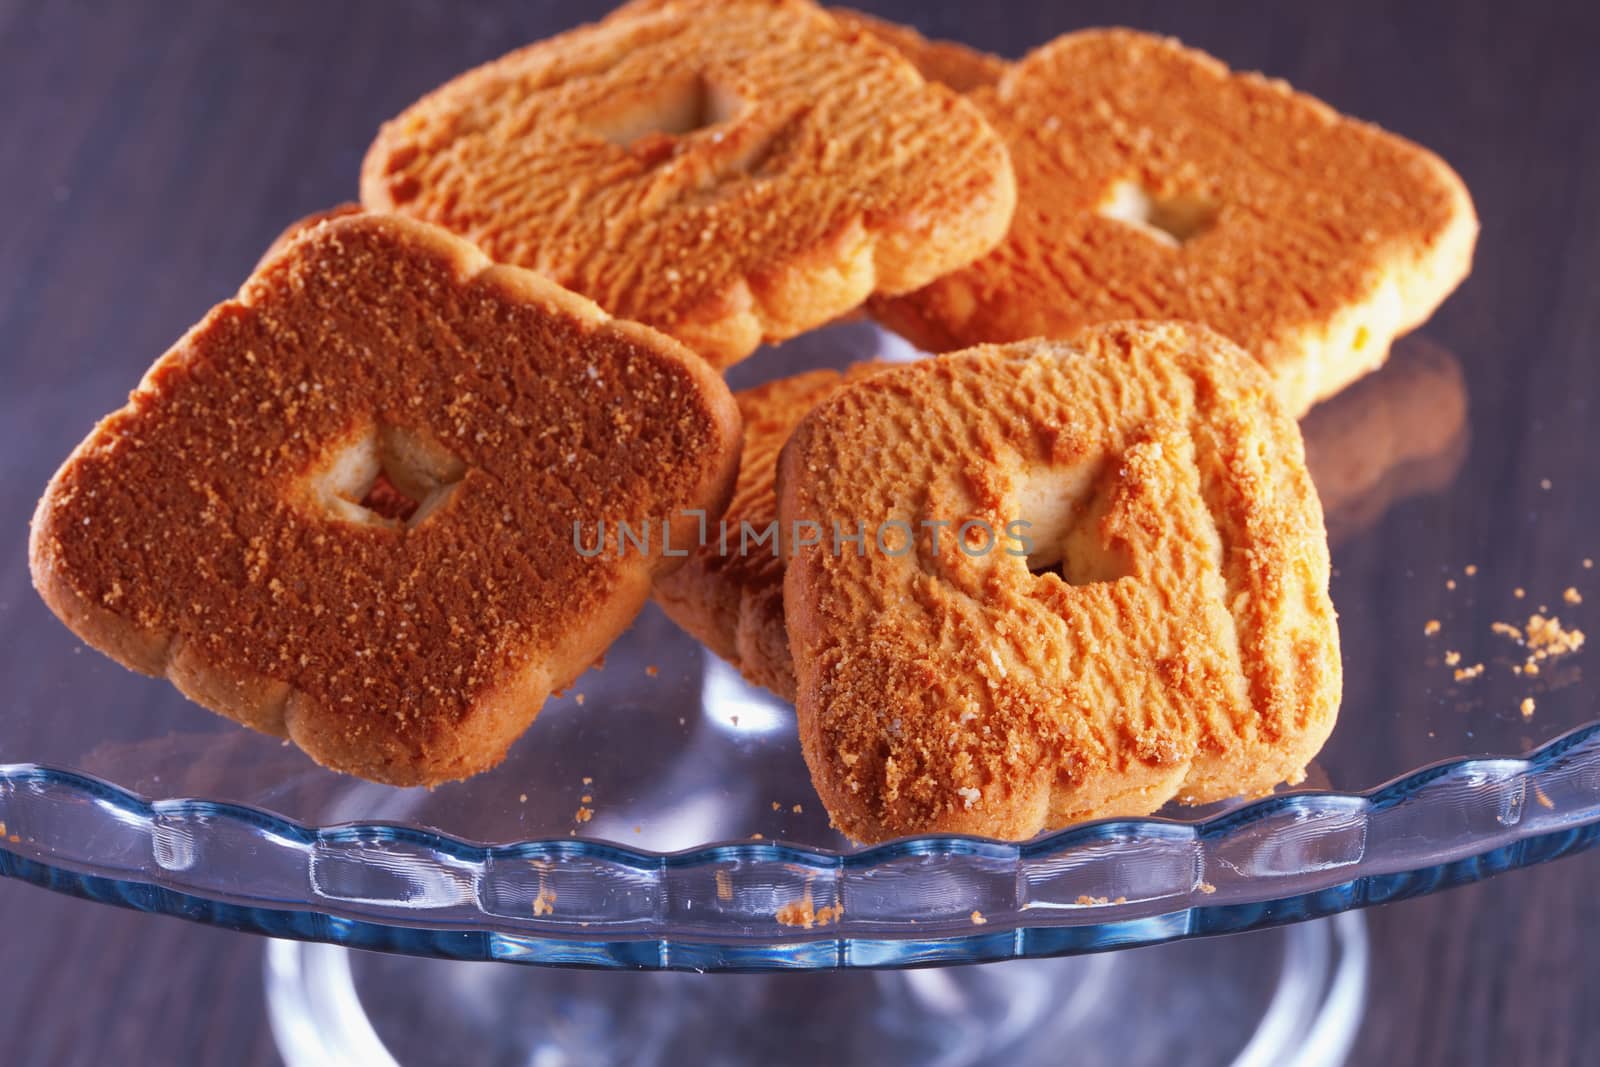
pixel 1172 220
pixel 1063 514
pixel 387 476
pixel 684 105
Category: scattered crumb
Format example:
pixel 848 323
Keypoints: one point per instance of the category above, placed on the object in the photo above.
pixel 1572 596
pixel 579 699
pixel 1546 637
pixel 1207 888
pixel 1519 592
pixel 1431 627
pixel 522 798
pixel 1527 707
pixel 1539 795
pixel 1505 629
pixel 638 829
pixel 1450 583
pixel 776 806
pixel 725 886
pixel 1452 658
pixel 583 814
pixel 545 902
pixel 2 828
pixel 1544 483
pixel 652 670
pixel 1470 569
pixel 756 837
pixel 587 780
pixel 802 913
pixel 1466 674
pixel 1085 900
pixel 1588 564
pixel 586 798
pixel 797 809
pixel 977 918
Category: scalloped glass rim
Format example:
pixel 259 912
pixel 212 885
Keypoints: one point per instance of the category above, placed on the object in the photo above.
pixel 770 905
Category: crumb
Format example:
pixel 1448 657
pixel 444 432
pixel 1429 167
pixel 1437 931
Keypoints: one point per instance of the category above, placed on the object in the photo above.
pixel 1527 707
pixel 1588 564
pixel 1572 596
pixel 1207 888
pixel 545 902
pixel 682 721
pixel 1466 674
pixel 586 799
pixel 1086 901
pixel 652 670
pixel 1544 483
pixel 1450 583
pixel 638 829
pixel 756 837
pixel 579 699
pixel 522 798
pixel 725 886
pixel 802 913
pixel 587 780
pixel 583 815
pixel 1431 627
pixel 797 809
pixel 1470 569
pixel 977 918
pixel 1452 658
pixel 776 806
pixel 1546 637
pixel 2 828
pixel 1519 592
pixel 1505 629
pixel 1539 795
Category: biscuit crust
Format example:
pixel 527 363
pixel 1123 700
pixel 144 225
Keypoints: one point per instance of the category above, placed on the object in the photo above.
pixel 1168 633
pixel 728 594
pixel 1155 183
pixel 946 62
pixel 729 171
pixel 215 529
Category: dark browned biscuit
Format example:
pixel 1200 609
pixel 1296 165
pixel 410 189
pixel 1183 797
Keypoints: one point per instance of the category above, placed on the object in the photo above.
pixel 730 171
pixel 729 592
pixel 1166 631
pixel 1154 183
pixel 946 62
pixel 343 508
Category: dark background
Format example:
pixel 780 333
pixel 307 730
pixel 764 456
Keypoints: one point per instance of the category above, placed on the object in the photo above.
pixel 150 151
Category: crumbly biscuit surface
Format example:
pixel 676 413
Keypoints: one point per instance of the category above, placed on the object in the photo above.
pixel 1168 633
pixel 1155 183
pixel 730 171
pixel 729 592
pixel 341 508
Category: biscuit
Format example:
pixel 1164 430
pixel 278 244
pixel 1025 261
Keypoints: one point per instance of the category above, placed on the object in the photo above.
pixel 728 594
pixel 729 171
pixel 1154 183
pixel 342 508
pixel 1166 629
pixel 946 62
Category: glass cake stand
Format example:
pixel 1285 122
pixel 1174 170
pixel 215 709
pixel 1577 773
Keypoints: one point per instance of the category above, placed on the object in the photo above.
pixel 659 818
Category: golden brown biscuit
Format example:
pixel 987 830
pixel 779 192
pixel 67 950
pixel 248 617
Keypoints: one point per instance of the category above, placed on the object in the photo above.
pixel 728 593
pixel 731 171
pixel 342 507
pixel 946 62
pixel 1154 183
pixel 1167 631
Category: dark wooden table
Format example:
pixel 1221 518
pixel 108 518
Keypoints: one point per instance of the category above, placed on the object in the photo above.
pixel 150 150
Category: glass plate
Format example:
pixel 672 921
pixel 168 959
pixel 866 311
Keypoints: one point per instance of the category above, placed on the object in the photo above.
pixel 660 816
